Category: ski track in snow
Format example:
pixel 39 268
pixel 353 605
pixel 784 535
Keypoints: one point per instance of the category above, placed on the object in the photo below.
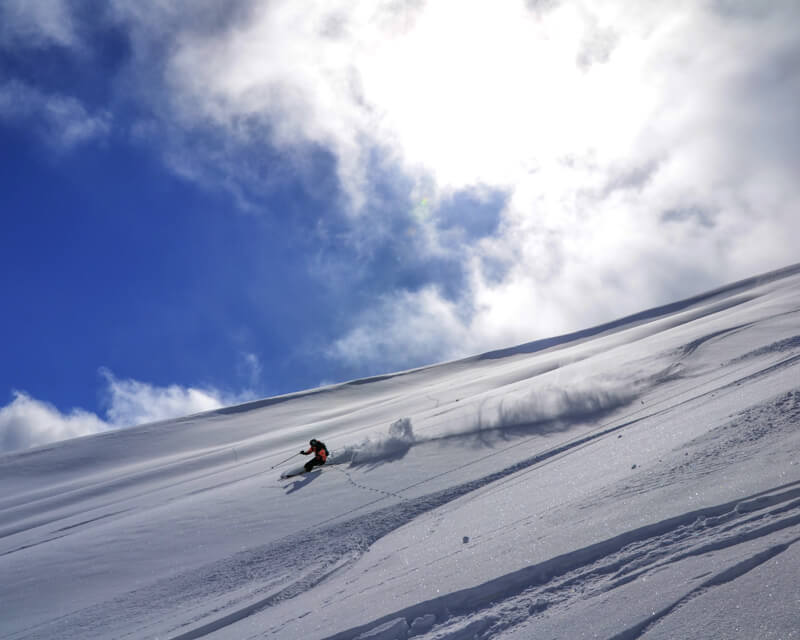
pixel 497 606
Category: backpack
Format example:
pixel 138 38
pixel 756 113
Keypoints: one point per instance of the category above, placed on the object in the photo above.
pixel 321 445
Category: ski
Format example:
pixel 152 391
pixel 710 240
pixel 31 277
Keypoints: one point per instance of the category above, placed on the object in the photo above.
pixel 299 471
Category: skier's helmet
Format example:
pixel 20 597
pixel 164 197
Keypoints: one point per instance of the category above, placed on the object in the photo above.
pixel 312 442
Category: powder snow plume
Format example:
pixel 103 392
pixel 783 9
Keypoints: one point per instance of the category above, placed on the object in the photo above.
pixel 539 410
pixel 557 407
pixel 395 444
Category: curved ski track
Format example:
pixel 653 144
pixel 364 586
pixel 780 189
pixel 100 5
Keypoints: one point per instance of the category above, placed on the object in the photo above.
pixel 489 609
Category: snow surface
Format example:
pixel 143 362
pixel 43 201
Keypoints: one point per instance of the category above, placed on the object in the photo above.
pixel 635 480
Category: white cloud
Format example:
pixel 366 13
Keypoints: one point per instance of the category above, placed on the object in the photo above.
pixel 131 402
pixel 405 329
pixel 37 23
pixel 61 121
pixel 648 150
pixel 27 422
pixel 645 156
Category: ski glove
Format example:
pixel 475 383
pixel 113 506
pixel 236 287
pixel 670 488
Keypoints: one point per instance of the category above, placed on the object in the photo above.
pixel 303 452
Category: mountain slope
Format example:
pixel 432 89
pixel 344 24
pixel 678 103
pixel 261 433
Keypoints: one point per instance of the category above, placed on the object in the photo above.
pixel 639 479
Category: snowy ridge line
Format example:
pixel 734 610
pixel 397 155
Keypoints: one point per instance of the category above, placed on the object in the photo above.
pixel 726 291
pixel 509 600
pixel 722 294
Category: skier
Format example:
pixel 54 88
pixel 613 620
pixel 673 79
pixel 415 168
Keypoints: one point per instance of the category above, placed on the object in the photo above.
pixel 320 452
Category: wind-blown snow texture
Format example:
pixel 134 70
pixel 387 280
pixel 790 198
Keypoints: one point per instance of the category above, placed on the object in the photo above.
pixel 636 480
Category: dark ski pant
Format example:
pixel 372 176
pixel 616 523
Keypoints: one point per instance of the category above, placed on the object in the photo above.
pixel 316 461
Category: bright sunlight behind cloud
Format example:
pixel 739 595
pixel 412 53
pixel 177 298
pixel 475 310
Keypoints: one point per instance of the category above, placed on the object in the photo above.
pixel 648 150
pixel 634 152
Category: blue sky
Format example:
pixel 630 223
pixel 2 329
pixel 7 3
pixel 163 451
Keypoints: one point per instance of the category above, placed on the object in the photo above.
pixel 207 204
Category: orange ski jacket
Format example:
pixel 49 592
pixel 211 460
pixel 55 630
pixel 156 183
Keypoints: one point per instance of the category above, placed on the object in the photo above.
pixel 318 451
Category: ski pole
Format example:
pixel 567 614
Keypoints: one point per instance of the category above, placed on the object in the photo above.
pixel 282 461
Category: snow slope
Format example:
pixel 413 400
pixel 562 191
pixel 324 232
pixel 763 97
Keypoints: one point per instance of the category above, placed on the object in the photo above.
pixel 635 480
